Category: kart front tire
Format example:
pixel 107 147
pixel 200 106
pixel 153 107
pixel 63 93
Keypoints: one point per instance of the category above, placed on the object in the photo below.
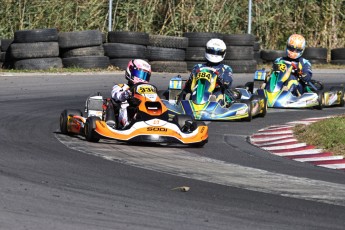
pixel 321 100
pixel 64 118
pixel 89 129
pixel 181 119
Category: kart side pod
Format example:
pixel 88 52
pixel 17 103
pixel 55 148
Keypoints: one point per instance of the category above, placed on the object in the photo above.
pixel 94 106
pixel 175 87
pixel 259 79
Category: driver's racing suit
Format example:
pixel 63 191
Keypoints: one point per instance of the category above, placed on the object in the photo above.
pixel 301 75
pixel 224 80
pixel 120 94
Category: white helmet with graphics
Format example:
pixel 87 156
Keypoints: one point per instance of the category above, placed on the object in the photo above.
pixel 215 50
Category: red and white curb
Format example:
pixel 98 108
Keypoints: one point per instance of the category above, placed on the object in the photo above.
pixel 279 140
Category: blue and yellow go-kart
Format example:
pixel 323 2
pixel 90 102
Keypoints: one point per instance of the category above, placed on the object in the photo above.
pixel 275 87
pixel 202 104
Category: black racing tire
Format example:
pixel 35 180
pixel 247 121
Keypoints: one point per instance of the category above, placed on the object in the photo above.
pixel 169 66
pixel 5 44
pixel 2 56
pixel 195 54
pixel 180 120
pixel 272 55
pixel 338 62
pixel 249 104
pixel 64 117
pixel 34 50
pixel 120 62
pixel 165 54
pixel 239 53
pixel 77 39
pixel 86 62
pixel 191 64
pixel 315 53
pixel 249 86
pixel 321 100
pixel 318 61
pixel 89 129
pixel 122 50
pixel 338 54
pixel 339 88
pixel 239 39
pixel 256 46
pixel 38 64
pixel 83 51
pixel 242 66
pixel 128 37
pixel 163 94
pixel 37 35
pixel 168 41
pixel 199 39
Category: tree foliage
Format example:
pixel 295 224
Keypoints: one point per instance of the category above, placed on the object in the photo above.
pixel 321 22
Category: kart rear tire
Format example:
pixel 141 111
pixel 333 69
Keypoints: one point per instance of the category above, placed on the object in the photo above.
pixel 89 129
pixel 321 100
pixel 64 118
pixel 163 94
pixel 249 104
pixel 249 86
pixel 180 120
pixel 339 88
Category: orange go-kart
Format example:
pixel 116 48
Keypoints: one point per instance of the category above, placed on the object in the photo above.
pixel 150 124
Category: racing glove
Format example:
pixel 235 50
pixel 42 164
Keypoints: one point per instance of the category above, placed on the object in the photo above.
pixel 125 95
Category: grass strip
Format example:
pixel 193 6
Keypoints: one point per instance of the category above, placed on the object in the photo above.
pixel 327 134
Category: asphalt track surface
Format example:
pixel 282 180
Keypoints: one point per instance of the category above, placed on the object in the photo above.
pixel 52 181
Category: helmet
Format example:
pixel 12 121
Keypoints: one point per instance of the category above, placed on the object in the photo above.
pixel 215 50
pixel 138 71
pixel 295 46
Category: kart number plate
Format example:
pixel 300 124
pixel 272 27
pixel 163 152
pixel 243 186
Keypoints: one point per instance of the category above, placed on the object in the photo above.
pixel 146 89
pixel 204 75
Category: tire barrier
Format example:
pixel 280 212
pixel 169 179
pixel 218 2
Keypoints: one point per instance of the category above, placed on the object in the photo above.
pixel 269 56
pixel 167 53
pixel 123 46
pixel 240 52
pixel 5 54
pixel 83 49
pixel 46 48
pixel 36 49
pixel 315 55
pixel 195 52
pixel 338 56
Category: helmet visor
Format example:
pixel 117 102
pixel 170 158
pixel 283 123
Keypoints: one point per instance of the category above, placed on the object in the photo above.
pixel 142 74
pixel 215 52
pixel 293 49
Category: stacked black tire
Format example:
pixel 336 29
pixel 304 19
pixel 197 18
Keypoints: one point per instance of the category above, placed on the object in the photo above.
pixel 315 55
pixel 5 54
pixel 240 52
pixel 83 49
pixel 167 53
pixel 123 46
pixel 269 56
pixel 338 56
pixel 35 49
pixel 195 52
